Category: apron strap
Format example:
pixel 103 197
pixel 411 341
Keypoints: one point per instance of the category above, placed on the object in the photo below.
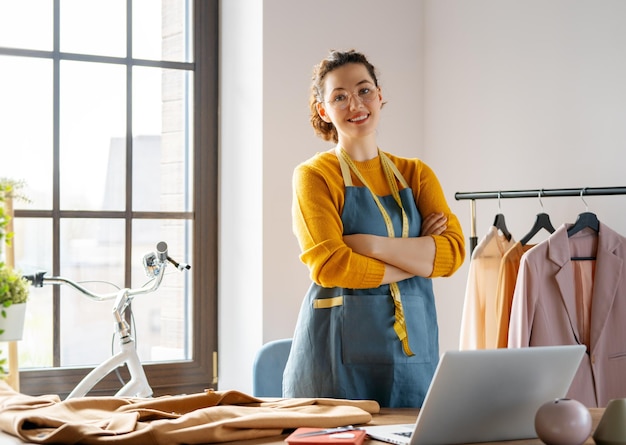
pixel 395 169
pixel 390 170
pixel 345 171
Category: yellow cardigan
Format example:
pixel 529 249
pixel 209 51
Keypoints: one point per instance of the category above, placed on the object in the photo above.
pixel 318 198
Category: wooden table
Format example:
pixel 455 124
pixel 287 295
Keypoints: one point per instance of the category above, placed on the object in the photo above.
pixel 387 416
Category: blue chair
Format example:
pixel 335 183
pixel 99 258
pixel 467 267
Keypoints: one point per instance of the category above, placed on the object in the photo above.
pixel 268 367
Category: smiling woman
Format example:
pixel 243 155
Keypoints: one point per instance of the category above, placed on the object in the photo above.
pixel 373 228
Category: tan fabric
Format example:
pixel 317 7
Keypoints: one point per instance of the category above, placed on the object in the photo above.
pixel 584 273
pixel 478 321
pixel 507 277
pixel 207 417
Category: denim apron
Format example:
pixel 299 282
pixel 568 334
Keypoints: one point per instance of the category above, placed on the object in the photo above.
pixel 347 342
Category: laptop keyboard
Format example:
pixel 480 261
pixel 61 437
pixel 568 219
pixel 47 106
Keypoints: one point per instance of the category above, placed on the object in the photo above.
pixel 404 433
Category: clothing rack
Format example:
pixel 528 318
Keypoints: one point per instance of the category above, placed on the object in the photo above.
pixel 536 193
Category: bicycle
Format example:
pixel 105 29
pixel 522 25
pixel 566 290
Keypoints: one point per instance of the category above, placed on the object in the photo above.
pixel 137 386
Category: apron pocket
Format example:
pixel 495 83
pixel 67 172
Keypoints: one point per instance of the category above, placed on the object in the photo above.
pixel 368 336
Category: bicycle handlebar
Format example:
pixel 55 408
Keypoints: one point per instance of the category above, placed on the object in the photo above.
pixel 38 280
pixel 154 264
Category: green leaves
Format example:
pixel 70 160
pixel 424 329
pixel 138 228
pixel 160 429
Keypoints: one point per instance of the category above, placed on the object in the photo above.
pixel 8 189
pixel 13 287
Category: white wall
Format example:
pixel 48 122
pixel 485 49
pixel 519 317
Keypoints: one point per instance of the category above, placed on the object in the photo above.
pixel 524 95
pixel 240 268
pixel 493 94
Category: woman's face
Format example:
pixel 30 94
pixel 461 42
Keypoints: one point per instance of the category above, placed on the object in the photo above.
pixel 352 102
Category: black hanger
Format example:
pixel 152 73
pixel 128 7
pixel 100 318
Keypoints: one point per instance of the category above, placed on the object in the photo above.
pixel 585 220
pixel 500 224
pixel 541 222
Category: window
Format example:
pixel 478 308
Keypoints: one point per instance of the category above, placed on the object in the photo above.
pixel 109 116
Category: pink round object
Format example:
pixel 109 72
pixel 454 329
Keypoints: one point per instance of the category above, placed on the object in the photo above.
pixel 563 422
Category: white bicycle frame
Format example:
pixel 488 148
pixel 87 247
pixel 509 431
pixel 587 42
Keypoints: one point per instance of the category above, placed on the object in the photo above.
pixel 137 385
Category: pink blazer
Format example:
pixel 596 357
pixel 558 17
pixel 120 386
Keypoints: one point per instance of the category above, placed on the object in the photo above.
pixel 543 311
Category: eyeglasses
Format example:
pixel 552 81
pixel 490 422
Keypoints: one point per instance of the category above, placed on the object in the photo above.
pixel 341 99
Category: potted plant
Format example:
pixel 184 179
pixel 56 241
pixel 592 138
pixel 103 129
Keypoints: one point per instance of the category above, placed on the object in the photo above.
pixel 13 288
pixel 13 296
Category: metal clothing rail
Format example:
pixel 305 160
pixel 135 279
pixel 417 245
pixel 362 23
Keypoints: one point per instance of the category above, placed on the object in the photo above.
pixel 536 193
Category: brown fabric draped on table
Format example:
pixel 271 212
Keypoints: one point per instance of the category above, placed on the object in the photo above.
pixel 208 417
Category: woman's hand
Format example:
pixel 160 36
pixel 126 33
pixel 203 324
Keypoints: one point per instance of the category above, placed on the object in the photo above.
pixel 434 224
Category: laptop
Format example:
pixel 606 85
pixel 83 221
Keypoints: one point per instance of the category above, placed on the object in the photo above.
pixel 487 395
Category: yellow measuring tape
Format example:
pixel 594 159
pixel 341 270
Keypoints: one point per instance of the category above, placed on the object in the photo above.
pixel 391 173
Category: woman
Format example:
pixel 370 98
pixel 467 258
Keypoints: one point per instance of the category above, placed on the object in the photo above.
pixel 373 229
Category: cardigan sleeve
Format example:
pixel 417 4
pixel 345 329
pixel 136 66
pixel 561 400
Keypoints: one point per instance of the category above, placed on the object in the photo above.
pixel 430 198
pixel 318 197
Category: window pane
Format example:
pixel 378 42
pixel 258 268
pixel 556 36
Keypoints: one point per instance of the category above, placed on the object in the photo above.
pixel 33 253
pixel 26 99
pixel 94 27
pixel 161 30
pixel 92 135
pixel 26 24
pixel 163 319
pixel 92 253
pixel 68 135
pixel 161 140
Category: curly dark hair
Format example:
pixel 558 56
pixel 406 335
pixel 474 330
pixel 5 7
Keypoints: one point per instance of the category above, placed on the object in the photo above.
pixel 336 59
